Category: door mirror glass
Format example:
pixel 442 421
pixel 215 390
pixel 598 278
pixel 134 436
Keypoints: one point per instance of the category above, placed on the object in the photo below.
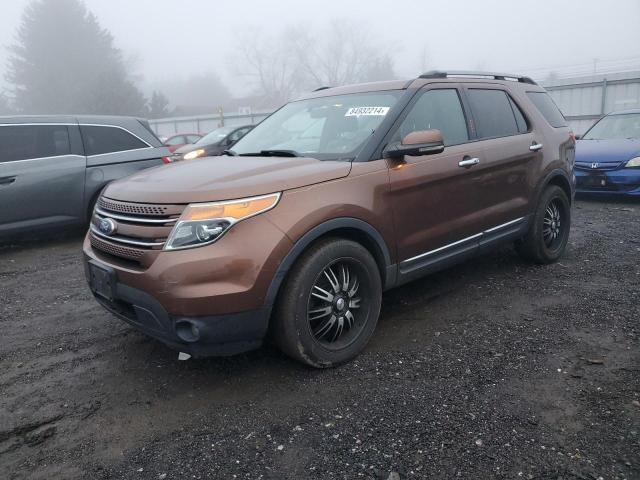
pixel 421 142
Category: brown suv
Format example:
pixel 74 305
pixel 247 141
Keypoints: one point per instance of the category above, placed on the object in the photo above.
pixel 333 199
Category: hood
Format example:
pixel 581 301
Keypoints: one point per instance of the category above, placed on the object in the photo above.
pixel 605 152
pixel 224 178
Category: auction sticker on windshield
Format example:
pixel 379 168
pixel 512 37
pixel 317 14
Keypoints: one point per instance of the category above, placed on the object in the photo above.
pixel 359 111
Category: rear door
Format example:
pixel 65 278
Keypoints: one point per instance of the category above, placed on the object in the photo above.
pixel 115 152
pixel 41 175
pixel 505 176
pixel 435 198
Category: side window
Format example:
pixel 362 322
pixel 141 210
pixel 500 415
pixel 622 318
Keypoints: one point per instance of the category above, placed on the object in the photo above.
pixel 437 109
pixel 547 108
pixel 520 120
pixel 102 139
pixel 23 142
pixel 238 134
pixel 193 138
pixel 493 113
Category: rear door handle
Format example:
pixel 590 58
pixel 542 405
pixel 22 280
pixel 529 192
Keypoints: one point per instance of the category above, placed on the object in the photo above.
pixel 468 162
pixel 7 180
pixel 535 147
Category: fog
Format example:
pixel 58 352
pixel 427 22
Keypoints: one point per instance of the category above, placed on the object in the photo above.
pixel 165 43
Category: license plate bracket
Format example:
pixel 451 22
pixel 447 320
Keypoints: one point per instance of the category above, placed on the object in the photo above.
pixel 596 181
pixel 102 281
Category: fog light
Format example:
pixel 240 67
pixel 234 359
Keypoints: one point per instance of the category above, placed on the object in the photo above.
pixel 187 331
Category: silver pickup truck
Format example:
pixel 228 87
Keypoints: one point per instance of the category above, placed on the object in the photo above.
pixel 53 168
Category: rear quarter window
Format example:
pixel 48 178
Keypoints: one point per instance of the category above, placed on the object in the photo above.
pixel 493 113
pixel 99 140
pixel 547 107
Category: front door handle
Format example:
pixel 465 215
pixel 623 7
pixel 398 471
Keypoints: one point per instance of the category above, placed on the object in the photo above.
pixel 535 147
pixel 7 180
pixel 468 162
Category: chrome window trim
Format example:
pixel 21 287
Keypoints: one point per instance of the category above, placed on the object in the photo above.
pixel 95 231
pixel 42 158
pixel 105 214
pixel 491 230
pixel 121 151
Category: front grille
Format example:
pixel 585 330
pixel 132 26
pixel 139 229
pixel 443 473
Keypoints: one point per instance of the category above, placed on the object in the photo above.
pixel 133 208
pixel 140 228
pixel 116 250
pixel 586 166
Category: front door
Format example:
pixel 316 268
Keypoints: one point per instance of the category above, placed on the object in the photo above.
pixel 435 197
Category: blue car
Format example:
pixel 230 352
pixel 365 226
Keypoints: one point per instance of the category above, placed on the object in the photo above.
pixel 608 156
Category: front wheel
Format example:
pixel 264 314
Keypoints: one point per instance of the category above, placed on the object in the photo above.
pixel 329 305
pixel 548 234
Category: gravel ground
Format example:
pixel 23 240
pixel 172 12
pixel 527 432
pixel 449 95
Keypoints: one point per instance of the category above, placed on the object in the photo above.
pixel 492 369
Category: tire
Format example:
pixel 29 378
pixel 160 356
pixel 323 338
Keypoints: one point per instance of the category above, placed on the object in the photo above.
pixel 548 234
pixel 319 321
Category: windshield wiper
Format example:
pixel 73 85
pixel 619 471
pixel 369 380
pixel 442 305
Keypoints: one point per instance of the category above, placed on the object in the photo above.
pixel 272 153
pixel 231 153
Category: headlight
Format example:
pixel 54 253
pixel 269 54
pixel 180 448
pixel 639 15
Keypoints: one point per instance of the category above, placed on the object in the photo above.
pixel 195 154
pixel 203 223
pixel 634 162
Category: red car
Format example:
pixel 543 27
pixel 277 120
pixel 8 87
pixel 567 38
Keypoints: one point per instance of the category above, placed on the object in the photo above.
pixel 180 139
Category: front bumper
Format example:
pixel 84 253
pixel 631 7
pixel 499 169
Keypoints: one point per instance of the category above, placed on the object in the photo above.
pixel 623 181
pixel 204 301
pixel 198 336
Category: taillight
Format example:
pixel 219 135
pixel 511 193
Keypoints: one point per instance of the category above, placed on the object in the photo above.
pixel 166 160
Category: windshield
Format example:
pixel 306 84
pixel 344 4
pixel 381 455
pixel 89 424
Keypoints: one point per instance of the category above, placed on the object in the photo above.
pixel 326 128
pixel 215 136
pixel 615 127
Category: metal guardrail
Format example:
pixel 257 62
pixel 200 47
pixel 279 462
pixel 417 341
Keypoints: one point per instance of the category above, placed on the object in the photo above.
pixel 585 100
pixel 205 123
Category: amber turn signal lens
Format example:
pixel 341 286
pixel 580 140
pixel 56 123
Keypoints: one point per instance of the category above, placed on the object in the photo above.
pixel 236 209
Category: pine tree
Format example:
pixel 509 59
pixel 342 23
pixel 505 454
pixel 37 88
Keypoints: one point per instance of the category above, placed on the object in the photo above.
pixel 64 62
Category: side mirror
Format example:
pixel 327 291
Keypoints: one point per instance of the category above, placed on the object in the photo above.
pixel 578 137
pixel 421 142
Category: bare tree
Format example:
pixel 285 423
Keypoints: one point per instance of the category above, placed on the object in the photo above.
pixel 340 54
pixel 298 59
pixel 271 64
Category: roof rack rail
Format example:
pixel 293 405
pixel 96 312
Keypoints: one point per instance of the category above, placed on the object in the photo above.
pixel 320 88
pixel 468 73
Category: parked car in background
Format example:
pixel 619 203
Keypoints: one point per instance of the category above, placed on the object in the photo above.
pixel 608 156
pixel 53 168
pixel 174 142
pixel 332 199
pixel 212 144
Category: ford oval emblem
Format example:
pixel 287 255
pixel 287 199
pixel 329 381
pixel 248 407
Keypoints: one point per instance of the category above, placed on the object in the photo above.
pixel 107 226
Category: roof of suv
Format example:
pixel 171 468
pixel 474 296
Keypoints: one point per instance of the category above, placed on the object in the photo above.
pixel 428 77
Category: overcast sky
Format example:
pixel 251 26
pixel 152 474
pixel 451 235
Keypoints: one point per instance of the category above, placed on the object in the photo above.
pixel 169 38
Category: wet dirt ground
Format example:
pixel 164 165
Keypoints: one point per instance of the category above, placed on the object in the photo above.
pixel 492 369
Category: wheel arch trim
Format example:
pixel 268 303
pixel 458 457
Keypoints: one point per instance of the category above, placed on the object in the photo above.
pixel 550 178
pixel 320 230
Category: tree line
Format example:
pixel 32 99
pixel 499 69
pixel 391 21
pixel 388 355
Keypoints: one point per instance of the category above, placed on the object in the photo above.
pixel 64 62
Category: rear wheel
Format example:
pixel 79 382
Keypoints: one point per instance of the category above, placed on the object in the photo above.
pixel 548 234
pixel 329 305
